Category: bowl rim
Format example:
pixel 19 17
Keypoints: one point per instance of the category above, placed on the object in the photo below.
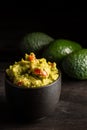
pixel 25 88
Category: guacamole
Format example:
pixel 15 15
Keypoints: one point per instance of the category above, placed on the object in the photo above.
pixel 32 72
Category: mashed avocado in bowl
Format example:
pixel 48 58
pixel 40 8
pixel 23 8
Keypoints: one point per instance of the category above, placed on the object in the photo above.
pixel 32 72
pixel 32 87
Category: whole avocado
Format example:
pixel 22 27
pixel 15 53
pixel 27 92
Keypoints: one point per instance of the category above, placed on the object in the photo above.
pixel 75 64
pixel 59 48
pixel 34 42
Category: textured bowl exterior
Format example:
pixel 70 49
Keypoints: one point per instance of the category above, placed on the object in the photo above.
pixel 33 103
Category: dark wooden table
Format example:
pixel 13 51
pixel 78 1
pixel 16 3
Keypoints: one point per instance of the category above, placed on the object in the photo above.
pixel 70 114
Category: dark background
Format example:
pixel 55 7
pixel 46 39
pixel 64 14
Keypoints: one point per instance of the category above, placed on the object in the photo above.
pixel 57 21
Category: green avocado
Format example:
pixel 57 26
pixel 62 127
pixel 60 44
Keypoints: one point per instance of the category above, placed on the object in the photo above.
pixel 34 42
pixel 59 48
pixel 75 64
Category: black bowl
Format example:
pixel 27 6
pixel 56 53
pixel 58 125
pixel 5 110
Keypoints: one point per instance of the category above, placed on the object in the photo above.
pixel 33 103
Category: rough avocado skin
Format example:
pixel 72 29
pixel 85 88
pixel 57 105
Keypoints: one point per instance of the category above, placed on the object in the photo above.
pixel 75 65
pixel 34 42
pixel 59 48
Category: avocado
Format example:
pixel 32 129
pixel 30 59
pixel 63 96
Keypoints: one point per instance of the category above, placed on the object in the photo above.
pixel 34 42
pixel 59 48
pixel 75 64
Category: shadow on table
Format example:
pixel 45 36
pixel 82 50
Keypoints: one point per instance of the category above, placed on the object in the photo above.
pixel 7 116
